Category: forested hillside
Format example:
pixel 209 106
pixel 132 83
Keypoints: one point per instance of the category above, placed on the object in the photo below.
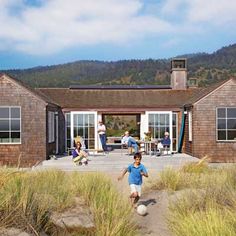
pixel 207 68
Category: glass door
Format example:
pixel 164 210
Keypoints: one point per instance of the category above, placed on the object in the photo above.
pixel 84 124
pixel 159 123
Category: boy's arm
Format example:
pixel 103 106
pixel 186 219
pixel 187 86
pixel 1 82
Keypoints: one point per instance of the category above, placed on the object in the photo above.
pixel 123 174
pixel 144 172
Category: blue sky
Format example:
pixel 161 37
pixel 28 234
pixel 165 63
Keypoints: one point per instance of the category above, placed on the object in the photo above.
pixel 47 32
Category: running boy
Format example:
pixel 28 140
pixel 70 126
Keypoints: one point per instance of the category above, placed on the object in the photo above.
pixel 136 172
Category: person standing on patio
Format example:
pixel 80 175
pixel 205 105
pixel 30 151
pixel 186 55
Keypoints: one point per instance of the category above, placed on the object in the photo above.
pixel 102 135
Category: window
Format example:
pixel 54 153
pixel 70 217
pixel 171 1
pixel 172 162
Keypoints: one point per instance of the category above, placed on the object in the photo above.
pixel 10 125
pixel 175 132
pixel 84 126
pixel 190 126
pixel 226 124
pixel 68 135
pixel 51 127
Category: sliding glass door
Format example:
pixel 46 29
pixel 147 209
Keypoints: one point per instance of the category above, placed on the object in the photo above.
pixel 83 124
pixel 161 122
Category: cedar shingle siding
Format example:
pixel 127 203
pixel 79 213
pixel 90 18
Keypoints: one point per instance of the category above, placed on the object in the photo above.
pixel 204 124
pixel 33 132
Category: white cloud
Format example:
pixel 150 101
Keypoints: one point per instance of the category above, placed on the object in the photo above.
pixel 216 12
pixel 54 25
pixel 59 24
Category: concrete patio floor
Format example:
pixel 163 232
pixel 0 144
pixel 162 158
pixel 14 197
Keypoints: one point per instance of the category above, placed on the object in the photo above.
pixel 115 162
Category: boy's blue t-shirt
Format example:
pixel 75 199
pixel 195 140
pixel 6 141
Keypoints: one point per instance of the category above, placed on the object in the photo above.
pixel 135 176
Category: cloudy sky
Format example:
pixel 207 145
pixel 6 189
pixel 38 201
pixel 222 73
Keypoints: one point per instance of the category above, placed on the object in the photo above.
pixel 47 32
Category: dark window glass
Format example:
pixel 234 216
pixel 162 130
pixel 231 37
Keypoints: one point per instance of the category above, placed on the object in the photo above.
pixel 76 132
pixel 231 113
pixel 231 124
pixel 231 134
pixel 174 120
pixel 4 125
pixel 15 112
pixel 174 133
pixel 221 135
pixel 68 132
pixel 221 113
pixel 15 125
pixel 15 137
pixel 80 131
pixel 4 137
pixel 4 112
pixel 221 123
pixel 68 143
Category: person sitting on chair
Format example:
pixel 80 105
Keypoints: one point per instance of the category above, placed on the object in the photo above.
pixel 166 141
pixel 130 141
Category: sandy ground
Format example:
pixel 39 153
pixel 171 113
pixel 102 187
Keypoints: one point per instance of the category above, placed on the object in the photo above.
pixel 154 223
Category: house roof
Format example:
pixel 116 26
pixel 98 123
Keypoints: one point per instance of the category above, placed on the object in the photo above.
pixel 149 97
pixel 119 98
pixel 35 92
pixel 207 90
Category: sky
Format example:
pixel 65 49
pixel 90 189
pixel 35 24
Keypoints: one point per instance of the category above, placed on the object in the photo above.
pixel 49 32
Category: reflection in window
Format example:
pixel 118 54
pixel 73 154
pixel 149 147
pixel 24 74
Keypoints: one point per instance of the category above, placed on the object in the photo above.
pixel 10 125
pixel 226 124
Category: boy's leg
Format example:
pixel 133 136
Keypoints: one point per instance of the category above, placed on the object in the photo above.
pixel 135 194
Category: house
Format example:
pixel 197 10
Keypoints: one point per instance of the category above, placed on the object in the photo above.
pixel 29 122
pixel 201 121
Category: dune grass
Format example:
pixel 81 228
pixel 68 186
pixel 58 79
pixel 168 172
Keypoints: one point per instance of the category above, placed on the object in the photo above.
pixel 27 200
pixel 206 202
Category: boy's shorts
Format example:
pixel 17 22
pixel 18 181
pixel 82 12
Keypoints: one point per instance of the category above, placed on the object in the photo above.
pixel 135 188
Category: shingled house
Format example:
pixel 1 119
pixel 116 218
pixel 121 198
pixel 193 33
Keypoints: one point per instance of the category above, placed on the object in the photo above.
pixel 35 123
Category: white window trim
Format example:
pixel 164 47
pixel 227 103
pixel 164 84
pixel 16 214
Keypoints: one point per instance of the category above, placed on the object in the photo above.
pixel 170 121
pixel 72 113
pixel 190 126
pixel 10 143
pixel 51 126
pixel 220 140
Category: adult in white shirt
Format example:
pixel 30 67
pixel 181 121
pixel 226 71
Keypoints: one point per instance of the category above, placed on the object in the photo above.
pixel 102 135
pixel 129 141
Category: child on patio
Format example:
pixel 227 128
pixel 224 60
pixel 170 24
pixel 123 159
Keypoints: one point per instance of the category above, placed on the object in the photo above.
pixel 79 156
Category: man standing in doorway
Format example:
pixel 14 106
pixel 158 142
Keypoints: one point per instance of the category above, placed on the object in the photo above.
pixel 102 135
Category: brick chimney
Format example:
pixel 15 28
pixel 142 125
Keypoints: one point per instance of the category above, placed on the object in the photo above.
pixel 179 73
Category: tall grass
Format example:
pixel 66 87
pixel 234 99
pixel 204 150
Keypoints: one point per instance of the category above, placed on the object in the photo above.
pixel 27 199
pixel 206 204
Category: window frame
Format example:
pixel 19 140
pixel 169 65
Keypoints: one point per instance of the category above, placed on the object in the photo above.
pixel 51 126
pixel 10 119
pixel 226 129
pixel 190 126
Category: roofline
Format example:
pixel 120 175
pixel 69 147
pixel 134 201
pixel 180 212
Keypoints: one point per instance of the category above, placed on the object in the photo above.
pixel 119 87
pixel 119 110
pixel 208 94
pixel 24 87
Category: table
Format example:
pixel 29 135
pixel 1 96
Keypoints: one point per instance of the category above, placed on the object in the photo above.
pixel 148 147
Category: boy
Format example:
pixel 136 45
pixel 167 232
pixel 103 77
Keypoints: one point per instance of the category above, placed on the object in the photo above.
pixel 136 172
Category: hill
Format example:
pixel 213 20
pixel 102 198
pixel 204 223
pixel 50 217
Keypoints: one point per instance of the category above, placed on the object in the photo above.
pixel 207 68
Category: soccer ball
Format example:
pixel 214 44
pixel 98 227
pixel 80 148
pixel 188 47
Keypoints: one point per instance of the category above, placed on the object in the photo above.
pixel 142 210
